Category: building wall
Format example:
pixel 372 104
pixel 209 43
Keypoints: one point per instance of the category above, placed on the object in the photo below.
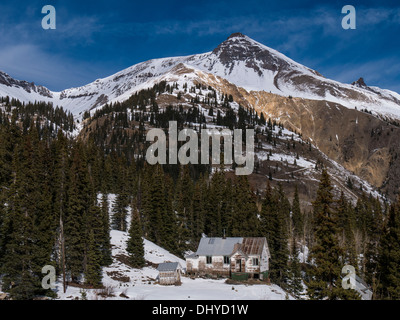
pixel 199 266
pixel 246 263
pixel 192 265
pixel 264 261
pixel 169 277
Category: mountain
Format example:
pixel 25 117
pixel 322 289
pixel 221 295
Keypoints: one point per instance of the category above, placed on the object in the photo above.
pixel 239 59
pixel 23 90
pixel 354 125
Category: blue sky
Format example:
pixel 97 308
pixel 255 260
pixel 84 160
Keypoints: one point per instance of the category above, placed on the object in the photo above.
pixel 95 39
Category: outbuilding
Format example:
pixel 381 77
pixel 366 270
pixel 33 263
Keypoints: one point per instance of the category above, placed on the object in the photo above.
pixel 169 273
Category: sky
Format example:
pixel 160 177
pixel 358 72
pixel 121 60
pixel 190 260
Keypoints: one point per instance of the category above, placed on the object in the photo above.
pixel 95 39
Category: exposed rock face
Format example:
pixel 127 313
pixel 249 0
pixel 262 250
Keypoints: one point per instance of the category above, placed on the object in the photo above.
pixel 29 87
pixel 360 83
pixel 239 47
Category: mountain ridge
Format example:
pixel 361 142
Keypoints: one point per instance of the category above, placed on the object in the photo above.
pixel 239 59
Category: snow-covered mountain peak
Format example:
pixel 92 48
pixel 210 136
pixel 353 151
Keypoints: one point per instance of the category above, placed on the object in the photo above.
pixel 239 60
pixel 239 47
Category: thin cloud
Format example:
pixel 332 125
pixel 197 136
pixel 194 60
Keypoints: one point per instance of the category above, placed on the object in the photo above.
pixel 29 62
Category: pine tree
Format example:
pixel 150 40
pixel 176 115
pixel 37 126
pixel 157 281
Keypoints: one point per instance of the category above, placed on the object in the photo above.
pixel 183 208
pixel 274 226
pixel 215 198
pixel 159 221
pixel 295 282
pixel 244 209
pixel 345 228
pixel 105 238
pixel 80 197
pixel 297 216
pixel 389 259
pixel 374 245
pixel 20 270
pixel 282 231
pixel 135 246
pixel 198 209
pixel 169 228
pixel 120 211
pixel 268 218
pixel 93 271
pixel 326 254
pixel 60 186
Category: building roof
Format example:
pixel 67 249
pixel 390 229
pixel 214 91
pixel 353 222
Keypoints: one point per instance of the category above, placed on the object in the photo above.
pixel 227 246
pixel 252 246
pixel 167 266
pixel 217 246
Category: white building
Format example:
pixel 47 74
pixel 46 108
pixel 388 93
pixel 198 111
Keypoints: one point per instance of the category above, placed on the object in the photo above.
pixel 234 257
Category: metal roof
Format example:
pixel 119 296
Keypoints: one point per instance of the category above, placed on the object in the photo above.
pixel 252 246
pixel 217 246
pixel 167 266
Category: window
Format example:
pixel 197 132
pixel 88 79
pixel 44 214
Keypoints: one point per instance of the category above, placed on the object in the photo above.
pixel 226 260
pixel 255 261
pixel 208 259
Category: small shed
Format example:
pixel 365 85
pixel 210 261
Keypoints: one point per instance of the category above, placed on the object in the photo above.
pixel 169 273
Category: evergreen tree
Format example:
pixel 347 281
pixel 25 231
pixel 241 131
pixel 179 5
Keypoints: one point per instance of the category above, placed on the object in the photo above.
pixel 274 226
pixel 120 211
pixel 297 216
pixel 295 282
pixel 326 254
pixel 183 208
pixel 135 247
pixel 374 245
pixel 345 228
pixel 244 211
pixel 105 234
pixel 80 196
pixel 198 209
pixel 93 271
pixel 214 205
pixel 282 231
pixel 19 268
pixel 389 259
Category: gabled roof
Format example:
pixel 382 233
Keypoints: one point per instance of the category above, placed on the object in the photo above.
pixel 167 266
pixel 227 246
pixel 217 246
pixel 253 246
